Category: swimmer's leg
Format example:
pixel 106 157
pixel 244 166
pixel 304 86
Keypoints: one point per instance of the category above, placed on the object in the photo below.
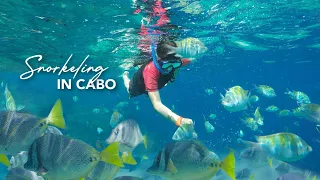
pixel 126 80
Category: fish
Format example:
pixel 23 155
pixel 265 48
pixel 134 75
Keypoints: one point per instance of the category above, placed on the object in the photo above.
pixel 285 147
pixel 212 116
pixel 185 132
pixel 18 160
pixel 22 174
pixel 190 160
pixel 284 112
pixel 241 134
pixel 309 112
pixel 243 174
pixel 75 98
pixel 235 99
pixel 59 157
pixel 209 91
pixel 190 48
pixel 290 176
pixel 272 108
pixel 103 171
pixel 283 168
pixel 257 117
pixel 254 99
pixel 254 154
pixel 250 123
pixel 99 130
pixel 266 91
pixel 96 110
pixel 115 118
pixel 127 178
pixel 22 157
pixel 128 135
pixel 19 130
pixel 209 127
pixel 300 97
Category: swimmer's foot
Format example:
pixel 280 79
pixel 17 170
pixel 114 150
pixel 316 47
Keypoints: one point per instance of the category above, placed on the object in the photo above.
pixel 126 80
pixel 125 74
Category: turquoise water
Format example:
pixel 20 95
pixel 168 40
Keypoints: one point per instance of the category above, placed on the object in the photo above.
pixel 249 42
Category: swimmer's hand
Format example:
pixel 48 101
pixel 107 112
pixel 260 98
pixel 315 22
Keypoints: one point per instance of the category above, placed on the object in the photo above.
pixel 187 121
pixel 185 131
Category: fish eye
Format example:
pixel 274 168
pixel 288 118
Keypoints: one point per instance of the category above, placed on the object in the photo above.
pixel 211 165
pixel 116 132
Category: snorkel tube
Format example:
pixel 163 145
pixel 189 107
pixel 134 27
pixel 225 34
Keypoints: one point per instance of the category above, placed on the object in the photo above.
pixel 154 58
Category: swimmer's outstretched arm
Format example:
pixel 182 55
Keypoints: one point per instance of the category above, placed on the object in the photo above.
pixel 161 108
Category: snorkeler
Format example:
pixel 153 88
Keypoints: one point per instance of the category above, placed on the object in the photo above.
pixel 154 75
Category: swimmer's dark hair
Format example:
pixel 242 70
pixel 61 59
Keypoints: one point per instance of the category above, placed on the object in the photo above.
pixel 163 50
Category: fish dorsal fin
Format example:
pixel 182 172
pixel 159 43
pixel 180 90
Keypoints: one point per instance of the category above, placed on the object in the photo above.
pixel 171 167
pixel 128 159
pixel 204 117
pixel 4 160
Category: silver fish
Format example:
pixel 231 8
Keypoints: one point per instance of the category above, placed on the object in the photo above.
pixel 59 157
pixel 128 135
pixel 190 160
pixel 185 132
pixel 21 158
pixel 190 48
pixel 19 130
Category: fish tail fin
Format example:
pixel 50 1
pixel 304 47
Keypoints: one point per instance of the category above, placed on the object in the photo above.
pixel 228 165
pixel 56 115
pixel 4 160
pixel 128 159
pixel 270 161
pixel 111 155
pixel 145 141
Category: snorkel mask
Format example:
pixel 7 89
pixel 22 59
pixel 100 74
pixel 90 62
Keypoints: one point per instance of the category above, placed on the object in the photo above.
pixel 168 64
